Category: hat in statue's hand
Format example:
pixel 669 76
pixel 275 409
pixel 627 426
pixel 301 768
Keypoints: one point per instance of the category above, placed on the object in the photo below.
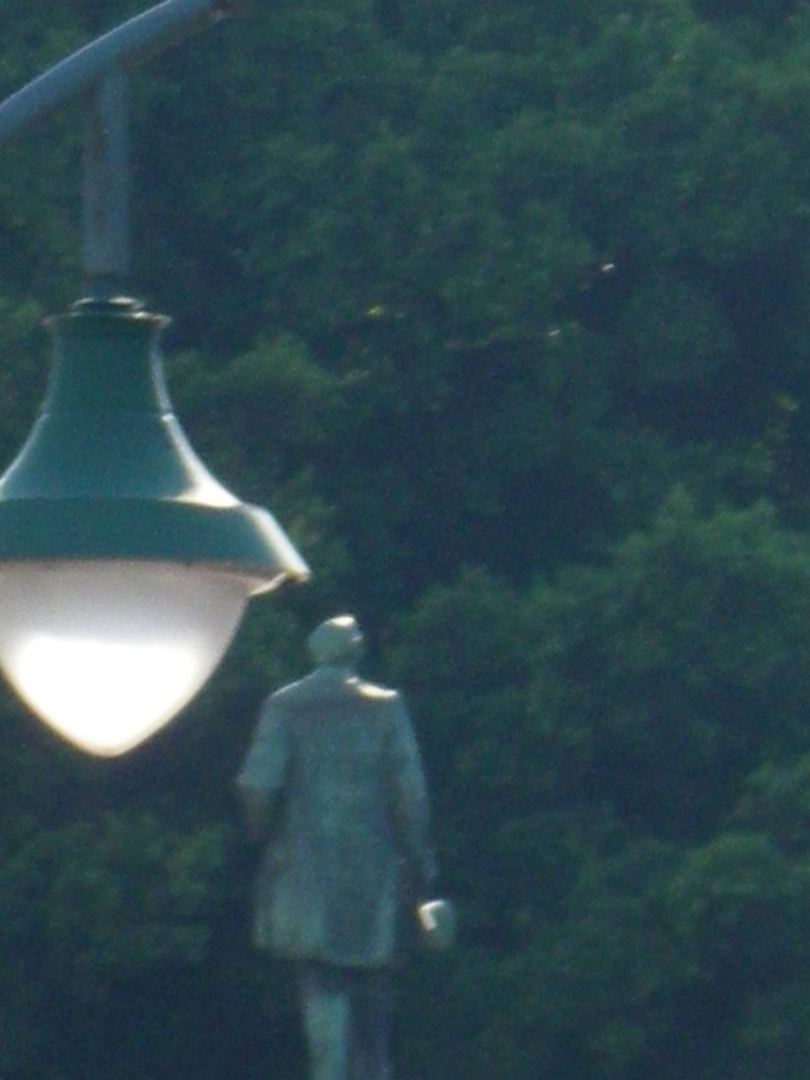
pixel 437 922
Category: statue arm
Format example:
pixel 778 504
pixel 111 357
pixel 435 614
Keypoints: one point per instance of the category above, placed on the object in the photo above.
pixel 261 779
pixel 411 813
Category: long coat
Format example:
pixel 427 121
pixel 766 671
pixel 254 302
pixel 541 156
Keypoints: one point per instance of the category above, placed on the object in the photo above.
pixel 336 760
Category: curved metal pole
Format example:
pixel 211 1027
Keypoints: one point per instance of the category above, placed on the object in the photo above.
pixel 139 37
pixel 100 68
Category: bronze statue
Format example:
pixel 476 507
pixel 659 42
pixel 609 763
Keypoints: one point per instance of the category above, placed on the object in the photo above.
pixel 334 787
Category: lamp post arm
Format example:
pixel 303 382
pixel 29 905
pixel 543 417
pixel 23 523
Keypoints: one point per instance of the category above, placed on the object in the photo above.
pixel 105 195
pixel 100 70
pixel 132 41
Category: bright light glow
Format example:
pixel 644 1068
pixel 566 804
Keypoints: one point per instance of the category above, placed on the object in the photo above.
pixel 107 653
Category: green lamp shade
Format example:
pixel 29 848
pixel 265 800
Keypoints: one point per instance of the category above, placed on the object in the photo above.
pixel 125 567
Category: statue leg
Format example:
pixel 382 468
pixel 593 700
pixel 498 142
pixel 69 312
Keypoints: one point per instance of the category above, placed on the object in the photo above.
pixel 371 999
pixel 325 1002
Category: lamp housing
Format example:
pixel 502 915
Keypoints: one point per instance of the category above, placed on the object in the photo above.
pixel 125 566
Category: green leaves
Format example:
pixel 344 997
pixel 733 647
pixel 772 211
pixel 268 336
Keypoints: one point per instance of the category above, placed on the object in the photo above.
pixel 119 894
pixel 502 310
pixel 596 744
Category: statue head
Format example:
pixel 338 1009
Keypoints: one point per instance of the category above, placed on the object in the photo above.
pixel 338 642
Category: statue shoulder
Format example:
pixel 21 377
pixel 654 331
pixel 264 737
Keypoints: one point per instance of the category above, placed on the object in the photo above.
pixel 288 694
pixel 373 692
pixel 328 685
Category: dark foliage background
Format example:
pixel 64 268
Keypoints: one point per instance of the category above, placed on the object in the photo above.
pixel 502 308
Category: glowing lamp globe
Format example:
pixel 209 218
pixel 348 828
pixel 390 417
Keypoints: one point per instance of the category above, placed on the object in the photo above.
pixel 125 567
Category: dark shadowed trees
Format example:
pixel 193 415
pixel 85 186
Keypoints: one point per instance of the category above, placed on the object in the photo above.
pixel 502 309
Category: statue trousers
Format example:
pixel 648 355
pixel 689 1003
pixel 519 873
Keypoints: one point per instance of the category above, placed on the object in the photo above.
pixel 345 1014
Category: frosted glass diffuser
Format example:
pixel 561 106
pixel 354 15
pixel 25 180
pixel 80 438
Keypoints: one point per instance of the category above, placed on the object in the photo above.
pixel 107 653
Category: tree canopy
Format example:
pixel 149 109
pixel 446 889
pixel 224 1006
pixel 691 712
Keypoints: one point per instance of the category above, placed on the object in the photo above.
pixel 502 309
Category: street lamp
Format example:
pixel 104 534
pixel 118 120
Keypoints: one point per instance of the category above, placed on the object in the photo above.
pixel 125 566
